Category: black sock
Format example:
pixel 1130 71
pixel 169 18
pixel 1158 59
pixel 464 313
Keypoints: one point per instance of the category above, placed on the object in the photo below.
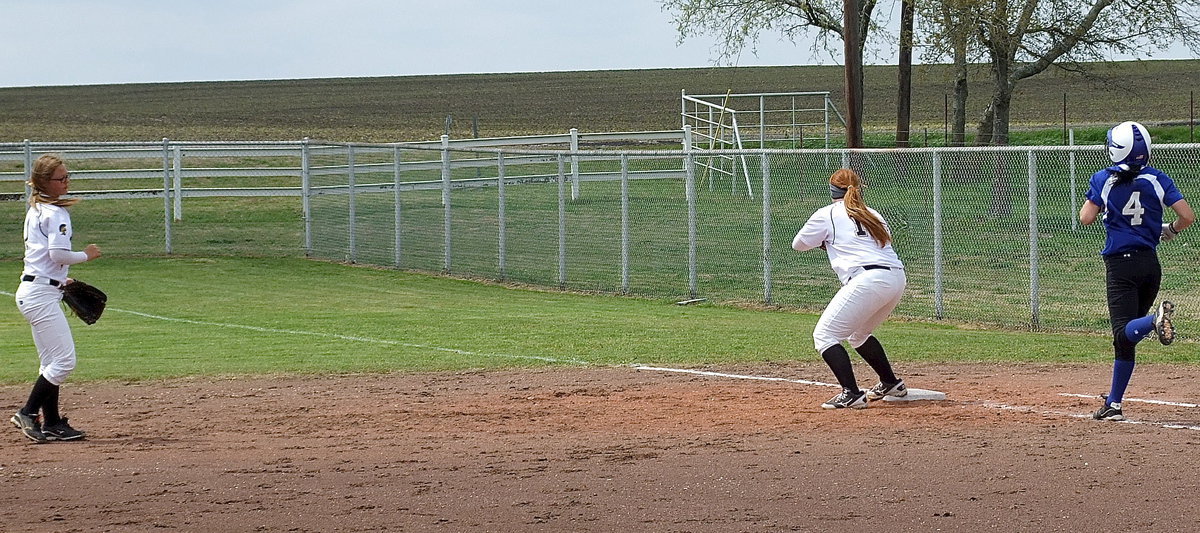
pixel 42 390
pixel 839 362
pixel 50 415
pixel 872 352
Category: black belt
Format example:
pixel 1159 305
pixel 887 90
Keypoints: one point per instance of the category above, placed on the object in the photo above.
pixel 876 267
pixel 30 277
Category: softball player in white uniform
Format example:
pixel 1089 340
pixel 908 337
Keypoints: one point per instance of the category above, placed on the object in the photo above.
pixel 47 257
pixel 858 242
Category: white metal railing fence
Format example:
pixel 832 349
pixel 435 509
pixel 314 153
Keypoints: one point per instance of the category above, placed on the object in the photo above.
pixel 735 120
pixel 988 235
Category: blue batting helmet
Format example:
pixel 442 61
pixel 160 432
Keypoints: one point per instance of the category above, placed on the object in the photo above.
pixel 1129 145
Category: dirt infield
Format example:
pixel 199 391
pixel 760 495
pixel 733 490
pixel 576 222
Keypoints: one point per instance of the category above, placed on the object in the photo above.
pixel 612 449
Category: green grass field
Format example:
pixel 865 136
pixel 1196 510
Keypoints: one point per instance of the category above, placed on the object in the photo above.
pixel 192 316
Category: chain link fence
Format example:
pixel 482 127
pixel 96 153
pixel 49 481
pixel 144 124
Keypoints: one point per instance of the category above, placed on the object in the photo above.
pixel 989 236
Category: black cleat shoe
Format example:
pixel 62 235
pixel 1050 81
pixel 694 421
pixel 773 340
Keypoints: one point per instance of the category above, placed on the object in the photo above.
pixel 29 426
pixel 1162 322
pixel 847 399
pixel 62 431
pixel 1110 412
pixel 882 390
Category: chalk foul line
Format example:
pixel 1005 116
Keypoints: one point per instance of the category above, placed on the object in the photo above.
pixel 1165 425
pixel 353 338
pixel 989 405
pixel 1138 400
pixel 732 376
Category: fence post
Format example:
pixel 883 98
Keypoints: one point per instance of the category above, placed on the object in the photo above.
pixel 690 185
pixel 398 224
pixel 574 164
pixel 177 168
pixel 762 121
pixel 939 310
pixel 1074 210
pixel 501 217
pixel 28 169
pixel 828 104
pixel 166 162
pixel 353 202
pixel 446 201
pixel 1034 321
pixel 562 223
pixel 683 111
pixel 766 227
pixel 306 196
pixel 625 223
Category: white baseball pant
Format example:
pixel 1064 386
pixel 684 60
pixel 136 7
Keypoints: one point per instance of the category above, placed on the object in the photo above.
pixel 51 333
pixel 859 307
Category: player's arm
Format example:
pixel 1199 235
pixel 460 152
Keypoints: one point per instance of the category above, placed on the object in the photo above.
pixel 67 257
pixel 812 235
pixel 1185 215
pixel 1088 213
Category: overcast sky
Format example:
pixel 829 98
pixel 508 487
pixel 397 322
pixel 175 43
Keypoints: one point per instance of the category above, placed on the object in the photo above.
pixel 60 42
pixel 57 42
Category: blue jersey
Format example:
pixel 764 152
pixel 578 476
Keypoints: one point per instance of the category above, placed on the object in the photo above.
pixel 1133 212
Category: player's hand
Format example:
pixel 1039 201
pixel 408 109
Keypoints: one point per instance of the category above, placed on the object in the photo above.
pixel 1168 232
pixel 92 251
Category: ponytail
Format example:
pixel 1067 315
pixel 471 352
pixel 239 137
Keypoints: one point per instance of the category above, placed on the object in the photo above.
pixel 856 207
pixel 1126 176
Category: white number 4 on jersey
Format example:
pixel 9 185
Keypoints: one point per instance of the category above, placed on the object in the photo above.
pixel 1133 208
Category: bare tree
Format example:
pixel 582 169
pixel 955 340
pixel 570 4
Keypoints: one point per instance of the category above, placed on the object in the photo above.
pixel 737 24
pixel 1025 37
pixel 946 28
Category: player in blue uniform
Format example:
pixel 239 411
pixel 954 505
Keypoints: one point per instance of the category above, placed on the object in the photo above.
pixel 1133 197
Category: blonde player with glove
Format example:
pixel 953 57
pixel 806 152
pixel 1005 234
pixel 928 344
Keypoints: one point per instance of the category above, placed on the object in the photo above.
pixel 858 242
pixel 47 258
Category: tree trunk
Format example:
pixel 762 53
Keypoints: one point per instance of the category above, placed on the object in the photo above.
pixel 958 131
pixel 983 134
pixel 958 128
pixel 852 38
pixel 1001 110
pixel 904 98
pixel 1002 189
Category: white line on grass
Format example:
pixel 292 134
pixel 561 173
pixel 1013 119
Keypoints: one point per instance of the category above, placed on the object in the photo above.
pixel 339 336
pixel 353 338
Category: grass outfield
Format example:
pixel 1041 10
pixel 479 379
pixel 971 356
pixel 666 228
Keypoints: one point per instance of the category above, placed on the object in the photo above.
pixel 193 316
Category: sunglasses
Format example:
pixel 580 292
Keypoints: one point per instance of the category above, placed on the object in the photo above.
pixel 64 178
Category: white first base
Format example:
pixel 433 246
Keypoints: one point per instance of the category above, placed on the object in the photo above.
pixel 917 394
